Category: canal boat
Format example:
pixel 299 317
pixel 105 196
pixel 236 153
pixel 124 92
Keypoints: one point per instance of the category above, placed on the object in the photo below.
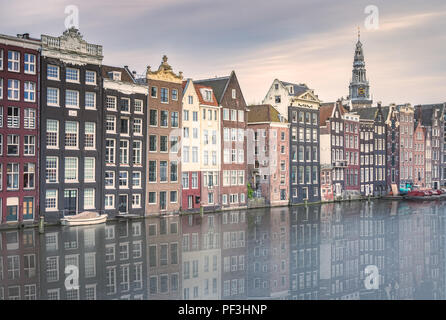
pixel 425 195
pixel 83 219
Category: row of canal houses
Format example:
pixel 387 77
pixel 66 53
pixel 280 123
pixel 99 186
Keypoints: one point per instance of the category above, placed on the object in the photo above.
pixel 78 135
pixel 303 252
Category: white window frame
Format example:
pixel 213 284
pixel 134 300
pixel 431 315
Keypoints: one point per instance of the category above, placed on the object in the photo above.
pixel 86 77
pixel 56 90
pixel 67 79
pixel 92 169
pixel 29 63
pixel 14 88
pixel 112 178
pixel 75 106
pixel 29 89
pixel 88 93
pixel 52 132
pixel 14 60
pixel 48 74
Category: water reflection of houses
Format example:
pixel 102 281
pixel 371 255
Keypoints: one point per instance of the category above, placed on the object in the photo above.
pixel 339 252
pixel 164 258
pixel 124 259
pixel 109 259
pixel 19 265
pixel 371 247
pixel 233 254
pixel 304 248
pixel 75 248
pixel 201 257
pixel 268 254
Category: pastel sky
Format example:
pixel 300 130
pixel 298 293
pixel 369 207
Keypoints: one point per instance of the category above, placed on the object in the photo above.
pixel 301 41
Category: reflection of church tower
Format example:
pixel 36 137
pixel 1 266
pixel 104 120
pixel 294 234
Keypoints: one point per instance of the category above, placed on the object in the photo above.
pixel 359 94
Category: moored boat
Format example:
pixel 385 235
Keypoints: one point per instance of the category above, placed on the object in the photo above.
pixel 425 195
pixel 83 219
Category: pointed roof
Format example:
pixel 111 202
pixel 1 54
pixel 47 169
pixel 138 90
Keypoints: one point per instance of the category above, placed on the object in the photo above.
pixel 201 99
pixel 218 85
pixel 326 111
pixel 263 113
pixel 426 112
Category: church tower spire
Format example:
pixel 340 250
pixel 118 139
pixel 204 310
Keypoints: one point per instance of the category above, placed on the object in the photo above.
pixel 359 93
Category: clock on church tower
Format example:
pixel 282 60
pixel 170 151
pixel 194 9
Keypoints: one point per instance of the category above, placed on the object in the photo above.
pixel 361 91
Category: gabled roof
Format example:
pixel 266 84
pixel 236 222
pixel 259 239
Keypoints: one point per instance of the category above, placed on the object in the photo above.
pixel 326 111
pixel 201 99
pixel 425 112
pixel 367 113
pixel 263 113
pixel 125 75
pixel 218 85
pixel 298 89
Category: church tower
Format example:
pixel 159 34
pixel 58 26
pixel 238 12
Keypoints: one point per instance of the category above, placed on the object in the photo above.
pixel 359 94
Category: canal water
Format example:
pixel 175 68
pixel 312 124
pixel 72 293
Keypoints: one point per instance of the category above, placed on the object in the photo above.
pixel 357 250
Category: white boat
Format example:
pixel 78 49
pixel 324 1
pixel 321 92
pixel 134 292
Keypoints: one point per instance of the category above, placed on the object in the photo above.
pixel 83 219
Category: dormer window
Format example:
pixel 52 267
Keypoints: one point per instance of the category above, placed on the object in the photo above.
pixel 291 90
pixel 233 94
pixel 208 95
pixel 276 86
pixel 115 75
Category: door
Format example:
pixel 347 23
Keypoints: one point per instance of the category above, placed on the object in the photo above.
pixel 28 208
pixel 12 209
pixel 190 201
pixel 70 201
pixel 123 203
pixel 163 200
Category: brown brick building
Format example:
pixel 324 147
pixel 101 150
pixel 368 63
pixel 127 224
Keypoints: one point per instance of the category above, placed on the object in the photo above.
pixel 163 141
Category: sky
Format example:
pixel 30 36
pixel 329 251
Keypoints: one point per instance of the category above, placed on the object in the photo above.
pixel 300 41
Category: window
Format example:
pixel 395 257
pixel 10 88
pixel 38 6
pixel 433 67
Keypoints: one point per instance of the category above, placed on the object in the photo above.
pixel 233 94
pixel 173 144
pixel 110 151
pixel 233 115
pixel 29 145
pixel 152 197
pixel 29 172
pixel 136 201
pixel 163 144
pixel 174 119
pixel 164 95
pixel 52 72
pixel 72 99
pixel 138 106
pixel 124 152
pixel 90 100
pixel 123 179
pixel 14 61
pixel 136 179
pixel 89 198
pixel 72 75
pixel 30 91
pixel 137 151
pixel 71 165
pixel 109 179
pixel 90 77
pixel 173 171
pixel 13 89
pixel 163 171
pixel 137 126
pixel 1 59
pixel 71 134
pixel 125 105
pixel 30 63
pixel 29 118
pixel 12 176
pixel 154 92
pixel 152 143
pixel 110 124
pixel 52 97
pixel 1 94
pixel 152 171
pixel 51 173
pixel 12 145
pixel 125 126
pixel 241 115
pixel 89 169
pixel 225 114
pixel 13 117
pixel 173 196
pixel 174 94
pixel 90 137
pixel 111 103
pixel 109 204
